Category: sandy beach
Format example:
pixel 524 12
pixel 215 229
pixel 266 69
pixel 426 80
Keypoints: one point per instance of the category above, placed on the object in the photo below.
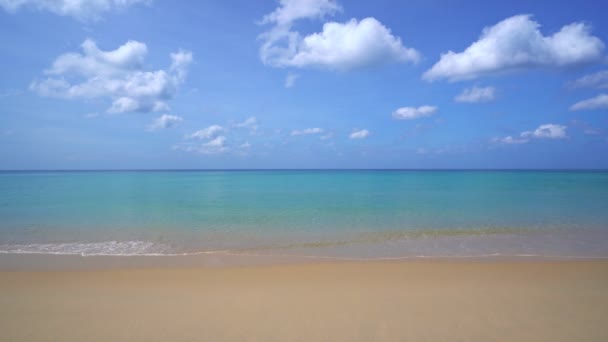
pixel 347 301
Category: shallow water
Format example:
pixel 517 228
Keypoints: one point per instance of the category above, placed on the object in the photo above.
pixel 350 214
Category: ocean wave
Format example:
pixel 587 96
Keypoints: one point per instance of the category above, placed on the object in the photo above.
pixel 149 248
pixel 366 246
pixel 146 248
pixel 119 248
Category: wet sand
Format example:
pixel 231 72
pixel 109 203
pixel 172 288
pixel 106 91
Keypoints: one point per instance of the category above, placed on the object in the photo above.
pixel 435 300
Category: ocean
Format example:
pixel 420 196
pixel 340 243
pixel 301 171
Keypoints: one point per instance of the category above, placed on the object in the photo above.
pixel 349 214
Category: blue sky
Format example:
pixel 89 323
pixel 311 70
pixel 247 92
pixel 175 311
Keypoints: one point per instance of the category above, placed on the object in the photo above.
pixel 135 84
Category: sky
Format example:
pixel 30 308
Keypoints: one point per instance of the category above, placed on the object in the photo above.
pixel 153 84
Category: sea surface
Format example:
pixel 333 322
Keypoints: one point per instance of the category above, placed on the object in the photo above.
pixel 356 214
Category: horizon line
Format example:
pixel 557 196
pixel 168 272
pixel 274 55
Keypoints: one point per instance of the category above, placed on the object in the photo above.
pixel 304 169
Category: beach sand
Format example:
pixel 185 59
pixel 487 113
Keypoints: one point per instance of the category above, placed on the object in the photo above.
pixel 436 300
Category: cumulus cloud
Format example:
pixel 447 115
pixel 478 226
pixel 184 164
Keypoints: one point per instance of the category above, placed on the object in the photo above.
pixel 95 62
pixel 165 121
pixel 180 61
pixel 291 79
pixel 207 133
pixel 217 142
pixel 546 131
pixel 517 43
pixel 307 131
pixel 598 102
pixel 346 46
pixel 339 46
pixel 410 113
pixel 79 9
pixel 359 134
pixel 292 10
pixel 595 80
pixel 476 95
pixel 216 145
pixel 251 123
pixel 214 141
pixel 510 140
pixel 550 131
pixel 117 75
pixel 130 104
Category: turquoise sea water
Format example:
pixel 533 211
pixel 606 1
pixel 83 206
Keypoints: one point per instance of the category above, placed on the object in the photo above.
pixel 351 214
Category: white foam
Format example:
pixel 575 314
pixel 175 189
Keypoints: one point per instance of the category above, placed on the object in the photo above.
pixel 124 248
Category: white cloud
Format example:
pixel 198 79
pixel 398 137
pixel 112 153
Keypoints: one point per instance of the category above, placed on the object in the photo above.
pixel 165 121
pixel 207 133
pixel 291 79
pixel 517 43
pixel 550 131
pixel 251 123
pixel 117 75
pixel 180 61
pixel 95 62
pixel 307 131
pixel 476 94
pixel 215 139
pixel 215 145
pixel 359 134
pixel 291 10
pixel 510 140
pixel 131 104
pixel 598 102
pixel 339 46
pixel 79 9
pixel 352 45
pixel 410 113
pixel 595 80
pixel 216 142
pixel 546 131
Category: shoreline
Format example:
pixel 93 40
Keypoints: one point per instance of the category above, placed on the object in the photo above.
pixel 370 245
pixel 447 300
pixel 69 262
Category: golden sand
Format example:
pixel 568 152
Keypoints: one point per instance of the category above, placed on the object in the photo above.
pixel 362 301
